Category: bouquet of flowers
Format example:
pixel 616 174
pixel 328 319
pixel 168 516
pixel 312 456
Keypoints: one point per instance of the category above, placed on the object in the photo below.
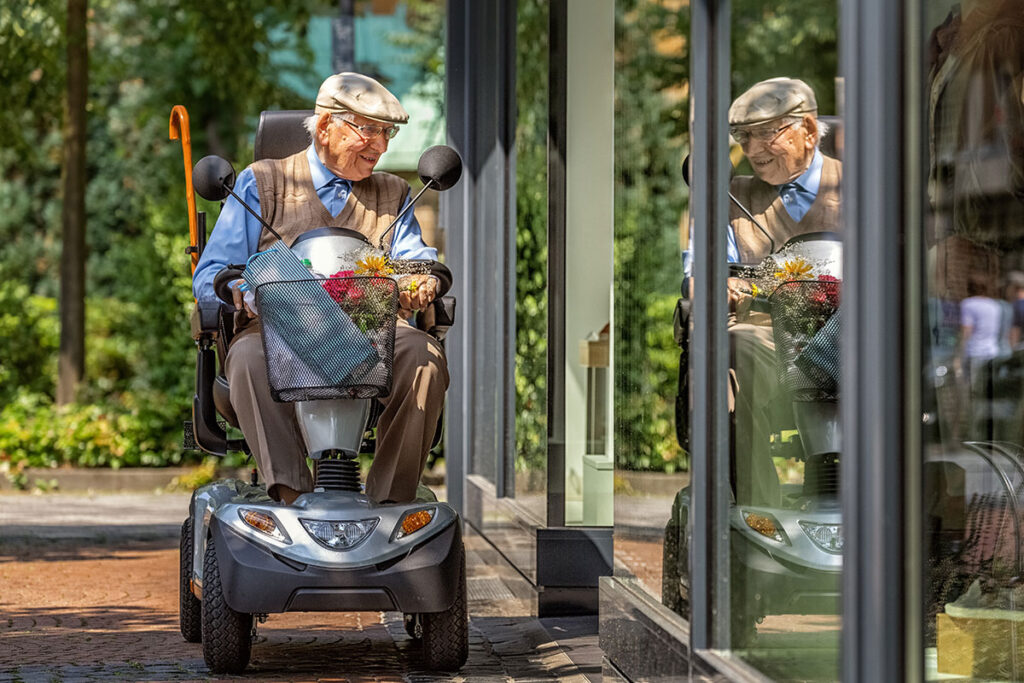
pixel 805 321
pixel 365 292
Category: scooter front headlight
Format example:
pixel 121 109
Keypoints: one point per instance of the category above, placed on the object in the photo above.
pixel 828 537
pixel 339 535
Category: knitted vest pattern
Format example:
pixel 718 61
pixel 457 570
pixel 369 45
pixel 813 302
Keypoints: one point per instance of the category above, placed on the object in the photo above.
pixel 765 204
pixel 289 203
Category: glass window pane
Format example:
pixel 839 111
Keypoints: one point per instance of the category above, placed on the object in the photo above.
pixel 652 468
pixel 784 236
pixel 530 476
pixel 973 372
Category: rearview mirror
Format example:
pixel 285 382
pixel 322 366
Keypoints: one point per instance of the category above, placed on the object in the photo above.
pixel 212 177
pixel 440 167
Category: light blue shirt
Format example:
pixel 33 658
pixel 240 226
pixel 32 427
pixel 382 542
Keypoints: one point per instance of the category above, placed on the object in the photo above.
pixel 797 197
pixel 237 234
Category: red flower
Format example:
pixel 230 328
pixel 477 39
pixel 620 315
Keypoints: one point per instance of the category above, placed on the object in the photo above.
pixel 343 288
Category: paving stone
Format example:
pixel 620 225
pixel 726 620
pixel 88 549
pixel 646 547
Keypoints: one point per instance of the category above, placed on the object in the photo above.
pixel 90 596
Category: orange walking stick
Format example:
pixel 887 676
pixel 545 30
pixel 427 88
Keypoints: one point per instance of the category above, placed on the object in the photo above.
pixel 179 129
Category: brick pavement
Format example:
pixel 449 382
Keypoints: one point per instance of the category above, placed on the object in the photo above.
pixel 88 592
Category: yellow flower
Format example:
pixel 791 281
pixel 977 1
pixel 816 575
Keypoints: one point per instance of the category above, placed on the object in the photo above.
pixel 374 265
pixel 797 269
pixel 754 290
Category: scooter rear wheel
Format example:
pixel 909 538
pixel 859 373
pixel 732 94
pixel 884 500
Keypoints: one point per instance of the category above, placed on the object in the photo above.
pixel 227 634
pixel 190 610
pixel 446 634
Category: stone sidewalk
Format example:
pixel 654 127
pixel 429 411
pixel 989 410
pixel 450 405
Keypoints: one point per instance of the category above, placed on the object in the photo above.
pixel 88 592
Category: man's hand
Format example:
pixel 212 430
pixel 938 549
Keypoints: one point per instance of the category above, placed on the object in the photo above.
pixel 238 298
pixel 415 292
pixel 739 294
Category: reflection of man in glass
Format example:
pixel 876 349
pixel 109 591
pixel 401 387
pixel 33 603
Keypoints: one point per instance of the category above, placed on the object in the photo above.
pixel 794 191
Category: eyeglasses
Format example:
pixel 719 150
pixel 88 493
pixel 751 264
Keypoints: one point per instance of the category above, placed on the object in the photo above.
pixel 372 130
pixel 763 135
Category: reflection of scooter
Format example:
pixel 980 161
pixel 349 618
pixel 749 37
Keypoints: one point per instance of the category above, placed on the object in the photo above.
pixel 787 558
pixel 329 344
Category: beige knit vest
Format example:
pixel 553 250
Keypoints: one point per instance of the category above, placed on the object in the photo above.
pixel 764 202
pixel 289 203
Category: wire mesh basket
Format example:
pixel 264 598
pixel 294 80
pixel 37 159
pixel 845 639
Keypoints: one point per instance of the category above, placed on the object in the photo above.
pixel 805 324
pixel 328 338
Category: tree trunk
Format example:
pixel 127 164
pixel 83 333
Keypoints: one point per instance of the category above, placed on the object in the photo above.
pixel 71 362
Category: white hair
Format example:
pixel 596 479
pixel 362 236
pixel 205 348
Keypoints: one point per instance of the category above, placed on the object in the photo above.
pixel 823 127
pixel 310 122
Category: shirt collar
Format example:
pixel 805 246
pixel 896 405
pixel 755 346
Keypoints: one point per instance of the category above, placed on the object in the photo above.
pixel 320 174
pixel 810 180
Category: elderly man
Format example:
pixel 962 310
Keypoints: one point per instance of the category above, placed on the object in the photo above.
pixel 331 183
pixel 794 190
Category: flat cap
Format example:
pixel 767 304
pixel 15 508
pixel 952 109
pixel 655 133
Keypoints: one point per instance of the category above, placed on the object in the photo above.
pixel 772 99
pixel 359 94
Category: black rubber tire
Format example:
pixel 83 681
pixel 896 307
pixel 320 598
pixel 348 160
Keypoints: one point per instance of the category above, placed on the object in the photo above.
pixel 227 634
pixel 671 595
pixel 446 634
pixel 190 610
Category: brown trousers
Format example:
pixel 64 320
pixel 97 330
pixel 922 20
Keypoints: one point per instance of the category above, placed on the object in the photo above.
pixel 404 431
pixel 757 400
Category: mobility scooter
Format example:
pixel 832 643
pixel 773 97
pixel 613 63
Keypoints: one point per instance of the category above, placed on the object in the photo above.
pixel 329 343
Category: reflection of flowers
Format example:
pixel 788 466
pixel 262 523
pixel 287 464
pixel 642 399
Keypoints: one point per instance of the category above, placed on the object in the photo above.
pixel 805 306
pixel 795 269
pixel 826 295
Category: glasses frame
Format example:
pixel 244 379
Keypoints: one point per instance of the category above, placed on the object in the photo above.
pixel 387 132
pixel 744 137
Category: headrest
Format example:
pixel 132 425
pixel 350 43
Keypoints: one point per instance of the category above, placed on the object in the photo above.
pixel 281 134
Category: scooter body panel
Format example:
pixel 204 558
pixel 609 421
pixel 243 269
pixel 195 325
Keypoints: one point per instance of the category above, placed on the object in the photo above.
pixel 263 574
pixel 258 580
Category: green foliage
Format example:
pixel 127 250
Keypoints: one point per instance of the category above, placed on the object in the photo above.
pixel 145 56
pixel 131 431
pixel 28 341
pixel 531 235
pixel 650 126
pixel 786 38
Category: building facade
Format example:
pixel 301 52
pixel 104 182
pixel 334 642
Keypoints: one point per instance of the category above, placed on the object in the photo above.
pixel 855 515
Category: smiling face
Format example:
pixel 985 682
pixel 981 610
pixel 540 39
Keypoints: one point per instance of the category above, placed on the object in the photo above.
pixel 345 152
pixel 782 157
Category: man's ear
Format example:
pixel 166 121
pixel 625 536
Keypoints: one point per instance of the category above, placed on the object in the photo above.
pixel 322 124
pixel 810 124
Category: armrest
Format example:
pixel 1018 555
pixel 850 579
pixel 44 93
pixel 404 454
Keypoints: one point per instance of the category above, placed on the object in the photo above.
pixel 222 281
pixel 206 319
pixel 436 320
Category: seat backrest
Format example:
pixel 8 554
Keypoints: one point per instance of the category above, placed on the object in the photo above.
pixel 281 134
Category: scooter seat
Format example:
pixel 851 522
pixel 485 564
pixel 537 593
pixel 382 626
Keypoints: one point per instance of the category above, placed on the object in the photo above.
pixel 222 401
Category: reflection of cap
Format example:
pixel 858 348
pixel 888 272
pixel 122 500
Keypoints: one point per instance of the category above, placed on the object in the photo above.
pixel 772 99
pixel 359 94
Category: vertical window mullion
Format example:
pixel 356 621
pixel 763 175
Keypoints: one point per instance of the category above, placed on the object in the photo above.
pixel 709 69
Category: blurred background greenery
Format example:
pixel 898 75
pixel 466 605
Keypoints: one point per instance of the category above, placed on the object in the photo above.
pixel 226 61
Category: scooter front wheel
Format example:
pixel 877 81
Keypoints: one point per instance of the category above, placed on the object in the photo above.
pixel 446 634
pixel 227 634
